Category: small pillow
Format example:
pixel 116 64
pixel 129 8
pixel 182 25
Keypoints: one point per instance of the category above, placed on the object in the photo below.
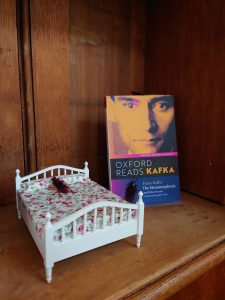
pixel 70 179
pixel 39 184
pixel 73 178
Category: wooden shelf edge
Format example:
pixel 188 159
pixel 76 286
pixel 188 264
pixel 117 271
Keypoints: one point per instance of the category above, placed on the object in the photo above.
pixel 181 277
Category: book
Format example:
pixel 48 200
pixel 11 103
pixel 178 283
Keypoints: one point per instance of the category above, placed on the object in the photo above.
pixel 142 148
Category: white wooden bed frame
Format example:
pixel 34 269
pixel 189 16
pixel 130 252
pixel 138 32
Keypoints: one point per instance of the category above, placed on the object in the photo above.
pixel 52 251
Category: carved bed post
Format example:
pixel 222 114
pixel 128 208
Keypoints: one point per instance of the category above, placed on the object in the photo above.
pixel 47 260
pixel 86 170
pixel 18 186
pixel 140 216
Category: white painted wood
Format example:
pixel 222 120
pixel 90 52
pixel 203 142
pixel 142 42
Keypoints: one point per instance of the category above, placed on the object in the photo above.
pixel 121 215
pixel 53 251
pixel 91 241
pixel 19 214
pixel 113 216
pixel 47 240
pixel 48 274
pixel 48 220
pixel 104 217
pixel 74 229
pixel 95 220
pixel 140 218
pixel 89 208
pixel 138 241
pixel 86 170
pixel 56 167
pixel 62 234
pixel 18 186
pixel 85 224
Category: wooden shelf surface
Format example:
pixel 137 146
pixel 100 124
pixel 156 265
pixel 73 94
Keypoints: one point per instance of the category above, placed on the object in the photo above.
pixel 179 244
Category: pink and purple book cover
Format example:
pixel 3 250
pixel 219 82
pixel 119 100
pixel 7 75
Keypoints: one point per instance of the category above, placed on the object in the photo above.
pixel 142 149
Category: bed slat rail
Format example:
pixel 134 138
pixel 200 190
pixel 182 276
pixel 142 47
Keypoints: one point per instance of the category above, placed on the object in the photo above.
pixel 113 216
pixel 74 231
pixel 63 234
pixel 95 220
pixel 92 207
pixel 104 217
pixel 85 224
pixel 134 212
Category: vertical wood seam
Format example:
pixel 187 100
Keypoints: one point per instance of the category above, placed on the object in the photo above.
pixel 26 84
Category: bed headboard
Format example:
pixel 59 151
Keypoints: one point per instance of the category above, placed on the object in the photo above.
pixel 57 170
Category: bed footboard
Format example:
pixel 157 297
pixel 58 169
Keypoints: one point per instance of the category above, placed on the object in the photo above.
pixel 115 225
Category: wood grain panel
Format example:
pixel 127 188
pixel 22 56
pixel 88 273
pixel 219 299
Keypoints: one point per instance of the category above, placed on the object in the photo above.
pixel 209 286
pixel 26 85
pixel 11 142
pixel 50 57
pixel 107 40
pixel 185 56
pixel 190 275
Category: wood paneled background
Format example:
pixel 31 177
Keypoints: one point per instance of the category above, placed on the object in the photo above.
pixel 11 129
pixel 60 58
pixel 49 21
pixel 185 56
pixel 107 43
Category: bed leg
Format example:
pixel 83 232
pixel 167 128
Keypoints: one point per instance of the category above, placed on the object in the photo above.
pixel 140 223
pixel 18 214
pixel 138 241
pixel 48 272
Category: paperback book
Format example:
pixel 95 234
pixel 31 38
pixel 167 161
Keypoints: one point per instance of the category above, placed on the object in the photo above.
pixel 142 148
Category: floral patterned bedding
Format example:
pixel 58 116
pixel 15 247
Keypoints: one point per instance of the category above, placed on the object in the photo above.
pixel 48 199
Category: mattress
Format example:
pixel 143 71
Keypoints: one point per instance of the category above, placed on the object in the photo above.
pixel 47 199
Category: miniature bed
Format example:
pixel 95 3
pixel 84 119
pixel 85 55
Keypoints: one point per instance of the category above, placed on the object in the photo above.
pixel 87 216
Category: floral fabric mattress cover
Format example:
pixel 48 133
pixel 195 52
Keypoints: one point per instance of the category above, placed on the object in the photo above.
pixel 46 198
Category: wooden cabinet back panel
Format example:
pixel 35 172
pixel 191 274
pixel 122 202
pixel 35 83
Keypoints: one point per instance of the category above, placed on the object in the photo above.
pixel 185 57
pixel 11 141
